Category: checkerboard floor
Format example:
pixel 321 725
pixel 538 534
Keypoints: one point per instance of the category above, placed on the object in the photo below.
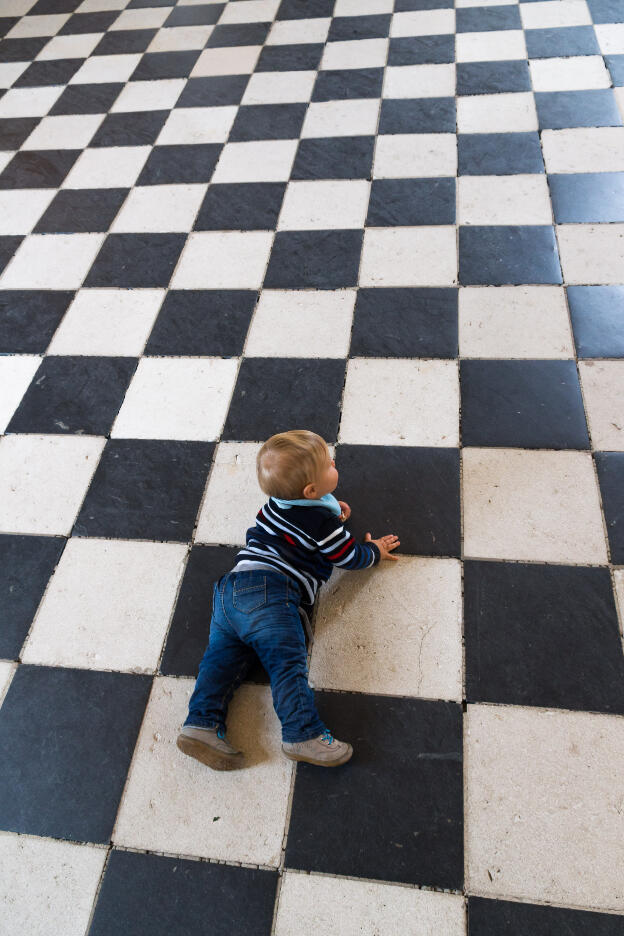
pixel 219 220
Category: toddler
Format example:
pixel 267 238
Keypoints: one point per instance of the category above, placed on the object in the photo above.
pixel 298 538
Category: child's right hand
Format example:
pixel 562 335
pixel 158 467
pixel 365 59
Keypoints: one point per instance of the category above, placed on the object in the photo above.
pixel 384 544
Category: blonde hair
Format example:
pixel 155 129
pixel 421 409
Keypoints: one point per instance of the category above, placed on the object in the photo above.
pixel 289 461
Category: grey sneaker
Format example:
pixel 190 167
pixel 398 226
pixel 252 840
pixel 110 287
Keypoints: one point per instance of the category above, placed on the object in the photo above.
pixel 324 751
pixel 211 747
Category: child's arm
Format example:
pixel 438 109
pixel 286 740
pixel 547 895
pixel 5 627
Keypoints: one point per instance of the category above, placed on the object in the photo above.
pixel 340 548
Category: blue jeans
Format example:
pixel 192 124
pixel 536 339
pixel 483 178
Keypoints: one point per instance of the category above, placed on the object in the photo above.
pixel 256 610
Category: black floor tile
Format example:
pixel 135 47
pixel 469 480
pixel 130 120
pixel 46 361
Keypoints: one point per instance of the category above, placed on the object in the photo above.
pixel 615 64
pixel 146 489
pixel 418 115
pixel 542 635
pixel 499 153
pixel 483 19
pixel 395 812
pixel 26 564
pixel 422 50
pixel 21 50
pixel 344 28
pixel 611 477
pixel 87 98
pixel 508 254
pixel 216 91
pixel 43 7
pixel 183 163
pixel 348 84
pixel 562 41
pixel 135 260
pixel 558 110
pixel 492 77
pixel 145 894
pixel 74 394
pixel 241 207
pixel 396 202
pixel 299 57
pixel 124 42
pixel 7 23
pixel 38 169
pixel 268 122
pixel 159 65
pixel 334 158
pixel 419 501
pixel 83 23
pixel 15 130
pixel 204 14
pixel 606 11
pixel 237 34
pixel 29 318
pixel 419 323
pixel 261 406
pixel 316 259
pixel 597 314
pixel 587 197
pixel 8 245
pixel 81 210
pixel 190 627
pixel 139 128
pixel 529 404
pixel 304 9
pixel 211 323
pixel 56 72
pixel 487 917
pixel 52 781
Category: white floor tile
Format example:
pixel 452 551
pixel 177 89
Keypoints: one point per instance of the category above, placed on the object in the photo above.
pixel 43 480
pixel 603 392
pixel 47 887
pixel 52 261
pixel 318 905
pixel 71 132
pixel 358 53
pixel 533 505
pixel 419 81
pixel 415 155
pixel 400 401
pixel 619 96
pixel 239 60
pixel 108 322
pixel 10 72
pixel 610 38
pixel 101 69
pixel 151 18
pixel 296 32
pixel 182 38
pixel 553 13
pixel 391 630
pixel 494 46
pixel 591 253
pixel 5 159
pixel 543 820
pixel 514 322
pixel 340 118
pixel 80 45
pixel 279 87
pixel 31 26
pixel 16 7
pixel 618 575
pixel 107 167
pixel 319 205
pixel 197 125
pixel 98 6
pixel 177 398
pixel 302 323
pixel 463 4
pixel 171 799
pixel 223 260
pixel 584 149
pixel 576 73
pixel 513 199
pixel 419 256
pixel 107 606
pixel 160 208
pixel 496 113
pixel 150 95
pixel 16 373
pixel 256 161
pixel 363 7
pixel 249 11
pixel 28 102
pixel 423 23
pixel 233 495
pixel 7 671
pixel 20 209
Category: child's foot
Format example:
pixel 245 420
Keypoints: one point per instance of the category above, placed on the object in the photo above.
pixel 324 751
pixel 211 747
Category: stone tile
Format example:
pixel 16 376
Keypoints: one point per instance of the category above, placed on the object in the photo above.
pixel 496 113
pixel 591 253
pixel 597 314
pixel 16 373
pixel 52 261
pixel 7 671
pixel 610 467
pixel 420 256
pixel 584 149
pixel 603 390
pixel 488 915
pixel 415 155
pixel 233 496
pixel 513 199
pixel 565 846
pixel 223 260
pixel 298 323
pixel 399 323
pixel 160 806
pixel 111 322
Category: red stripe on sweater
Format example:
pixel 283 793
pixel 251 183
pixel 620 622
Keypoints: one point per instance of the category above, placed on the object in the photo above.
pixel 346 546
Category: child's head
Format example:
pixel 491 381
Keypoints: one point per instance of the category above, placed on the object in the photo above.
pixel 296 464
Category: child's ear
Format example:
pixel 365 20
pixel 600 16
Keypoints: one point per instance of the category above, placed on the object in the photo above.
pixel 309 492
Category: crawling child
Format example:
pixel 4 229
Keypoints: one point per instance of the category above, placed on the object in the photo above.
pixel 298 538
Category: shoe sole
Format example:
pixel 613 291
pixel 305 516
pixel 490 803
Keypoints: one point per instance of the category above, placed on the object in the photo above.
pixel 208 756
pixel 320 763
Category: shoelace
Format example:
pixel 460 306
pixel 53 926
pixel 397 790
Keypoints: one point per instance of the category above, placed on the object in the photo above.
pixel 327 736
pixel 221 734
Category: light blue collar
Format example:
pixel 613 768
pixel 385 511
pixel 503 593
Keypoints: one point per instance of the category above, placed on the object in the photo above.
pixel 327 500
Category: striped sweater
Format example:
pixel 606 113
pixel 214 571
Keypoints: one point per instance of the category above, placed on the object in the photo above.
pixel 305 543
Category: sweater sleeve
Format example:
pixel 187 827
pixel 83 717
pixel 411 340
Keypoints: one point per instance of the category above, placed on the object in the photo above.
pixel 338 546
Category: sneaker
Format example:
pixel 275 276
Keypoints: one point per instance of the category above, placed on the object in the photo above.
pixel 324 751
pixel 211 747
